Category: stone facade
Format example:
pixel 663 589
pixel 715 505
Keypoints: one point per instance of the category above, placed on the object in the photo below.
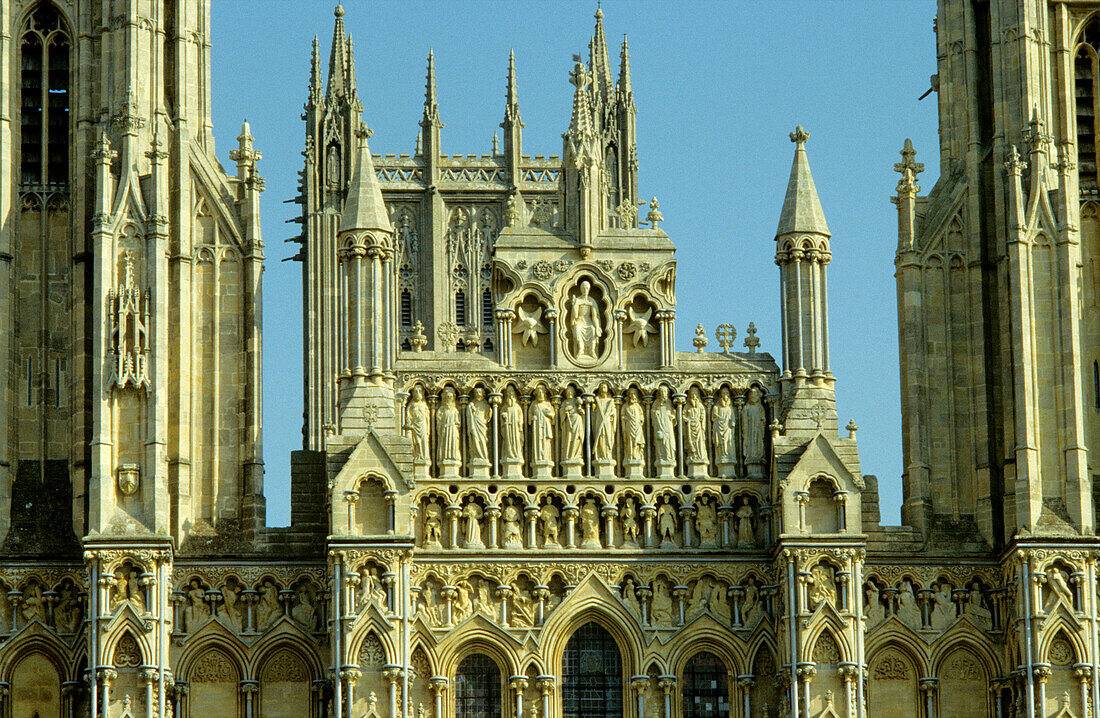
pixel 514 497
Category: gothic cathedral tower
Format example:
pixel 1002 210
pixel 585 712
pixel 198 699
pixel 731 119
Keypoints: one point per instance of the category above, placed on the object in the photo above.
pixel 998 282
pixel 130 276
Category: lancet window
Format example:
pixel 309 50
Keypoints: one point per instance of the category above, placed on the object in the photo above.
pixel 471 233
pixel 706 687
pixel 592 680
pixel 44 99
pixel 477 688
pixel 1086 95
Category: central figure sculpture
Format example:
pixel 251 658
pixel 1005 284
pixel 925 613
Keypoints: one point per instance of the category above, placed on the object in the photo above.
pixel 585 318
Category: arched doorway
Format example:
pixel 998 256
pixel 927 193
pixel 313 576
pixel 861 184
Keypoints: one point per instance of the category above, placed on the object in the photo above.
pixel 706 691
pixel 478 688
pixel 592 675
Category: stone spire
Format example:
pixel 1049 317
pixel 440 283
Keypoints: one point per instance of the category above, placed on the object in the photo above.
pixel 337 60
pixel 353 88
pixel 599 61
pixel 580 123
pixel 801 207
pixel 431 100
pixel 512 125
pixel 364 209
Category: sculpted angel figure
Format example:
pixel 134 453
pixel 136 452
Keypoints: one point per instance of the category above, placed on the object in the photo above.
pixel 478 417
pixel 633 428
pixel 585 322
pixel 572 426
pixel 447 424
pixel 664 434
pixel 512 424
pixel 695 427
pixel 418 425
pixel 542 428
pixel 607 415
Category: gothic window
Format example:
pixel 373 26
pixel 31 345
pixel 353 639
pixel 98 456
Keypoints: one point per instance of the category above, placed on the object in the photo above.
pixel 460 308
pixel 1086 95
pixel 706 687
pixel 406 309
pixel 477 688
pixel 486 310
pixel 44 99
pixel 1096 384
pixel 592 681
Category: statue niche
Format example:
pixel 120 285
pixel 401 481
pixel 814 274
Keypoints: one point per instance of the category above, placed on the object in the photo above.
pixel 587 324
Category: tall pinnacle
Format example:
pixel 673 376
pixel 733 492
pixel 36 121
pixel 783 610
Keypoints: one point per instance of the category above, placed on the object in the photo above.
pixel 364 208
pixel 337 61
pixel 511 110
pixel 599 61
pixel 351 70
pixel 625 90
pixel 580 124
pixel 315 80
pixel 431 100
pixel 801 207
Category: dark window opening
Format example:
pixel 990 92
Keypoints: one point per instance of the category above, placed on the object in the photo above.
pixel 406 309
pixel 1096 384
pixel 477 688
pixel 592 681
pixel 1086 96
pixel 486 310
pixel 44 99
pixel 706 687
pixel 460 308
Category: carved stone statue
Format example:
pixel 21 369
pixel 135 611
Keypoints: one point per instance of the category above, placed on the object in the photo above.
pixel 590 525
pixel 303 613
pixel 447 427
pixel 371 589
pixel 751 610
pixel 976 609
pixel 523 608
pixel 629 522
pixel 126 590
pixel 723 423
pixel 511 420
pixel 699 601
pixel 630 597
pixel 231 606
pixel 943 613
pixel 753 419
pixel 471 512
pixel 661 613
pixel 462 605
pixel 633 435
pixel 666 523
pixel 606 420
pixel 1059 590
pixel 908 611
pixel 549 515
pixel 433 525
pixel 511 536
pixel 720 603
pixel 69 611
pixel 542 434
pixel 872 605
pixel 478 417
pixel 824 586
pixel 664 432
pixel 584 323
pixel 745 536
pixel 706 523
pixel 34 605
pixel 267 610
pixel 196 611
pixel 695 430
pixel 418 426
pixel 572 433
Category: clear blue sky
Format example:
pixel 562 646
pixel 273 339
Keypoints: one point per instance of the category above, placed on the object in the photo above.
pixel 718 87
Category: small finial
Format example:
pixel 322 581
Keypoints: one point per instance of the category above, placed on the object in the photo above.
pixel 751 341
pixel 799 136
pixel 700 340
pixel 599 12
pixel 339 11
pixel 852 428
pixel 496 144
pixel 725 335
pixel 654 217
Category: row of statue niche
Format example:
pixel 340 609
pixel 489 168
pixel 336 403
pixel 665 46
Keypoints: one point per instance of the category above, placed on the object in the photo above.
pixel 663 604
pixel 60 608
pixel 520 604
pixel 626 523
pixel 247 610
pixel 571 435
pixel 933 608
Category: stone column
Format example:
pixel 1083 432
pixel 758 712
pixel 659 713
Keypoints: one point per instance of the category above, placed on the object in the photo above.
pixel 678 402
pixel 518 685
pixel 504 594
pixel 148 676
pixel 745 682
pixel 551 316
pixel 666 684
pixel 687 513
pixel 639 683
pixel 725 514
pixel 453 511
pixel 569 511
pixel 179 697
pixel 493 515
pixel 390 497
pixel 609 513
pixel 1083 673
pixel 803 498
pixel 176 600
pixel 736 593
pixel 841 499
pixel 351 498
pixel 649 513
pixel 680 593
pixel 449 595
pixel 928 688
pixel 439 687
pixel 806 673
pixel 531 514
pixel 106 675
pixel 643 593
pixel 249 689
pixel 494 433
pixel 392 674
pixel 541 593
pixel 1042 675
pixel 388 580
pixel 350 675
pixel 545 685
pixel 850 673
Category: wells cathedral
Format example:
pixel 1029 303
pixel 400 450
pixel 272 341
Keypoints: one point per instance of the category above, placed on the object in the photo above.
pixel 514 497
